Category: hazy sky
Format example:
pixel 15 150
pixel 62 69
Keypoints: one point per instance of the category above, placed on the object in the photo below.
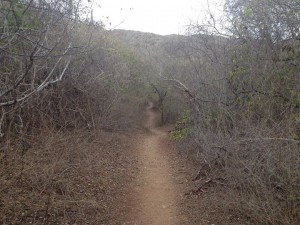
pixel 155 16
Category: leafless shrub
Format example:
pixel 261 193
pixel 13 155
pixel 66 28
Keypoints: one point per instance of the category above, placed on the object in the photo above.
pixel 244 127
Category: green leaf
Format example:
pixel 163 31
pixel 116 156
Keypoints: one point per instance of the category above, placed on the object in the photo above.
pixel 248 12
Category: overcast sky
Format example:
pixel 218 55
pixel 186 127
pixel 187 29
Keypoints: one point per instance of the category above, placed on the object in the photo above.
pixel 155 16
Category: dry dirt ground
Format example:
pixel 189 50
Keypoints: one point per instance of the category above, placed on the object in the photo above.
pixel 137 178
pixel 158 194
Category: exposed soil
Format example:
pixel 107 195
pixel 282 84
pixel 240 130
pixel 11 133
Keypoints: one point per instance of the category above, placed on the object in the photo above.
pixel 106 179
pixel 158 194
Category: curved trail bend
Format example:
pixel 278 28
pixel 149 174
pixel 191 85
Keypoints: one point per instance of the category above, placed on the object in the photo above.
pixel 157 195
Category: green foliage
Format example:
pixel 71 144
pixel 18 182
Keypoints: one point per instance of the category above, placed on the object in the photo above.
pixel 297 119
pixel 248 12
pixel 14 15
pixel 219 119
pixel 19 17
pixel 182 127
pixel 237 72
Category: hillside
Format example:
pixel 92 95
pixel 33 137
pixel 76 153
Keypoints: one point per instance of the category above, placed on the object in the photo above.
pixel 125 127
pixel 155 46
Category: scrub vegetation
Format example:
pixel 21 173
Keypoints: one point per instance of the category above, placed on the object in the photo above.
pixel 72 96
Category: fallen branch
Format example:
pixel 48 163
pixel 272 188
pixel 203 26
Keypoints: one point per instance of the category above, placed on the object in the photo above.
pixel 207 182
pixel 200 171
pixel 199 189
pixel 199 174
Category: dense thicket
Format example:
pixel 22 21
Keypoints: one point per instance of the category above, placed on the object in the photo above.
pixel 244 87
pixel 59 70
pixel 233 83
pixel 240 76
pixel 65 87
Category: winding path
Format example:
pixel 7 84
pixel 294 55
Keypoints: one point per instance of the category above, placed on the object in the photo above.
pixel 156 193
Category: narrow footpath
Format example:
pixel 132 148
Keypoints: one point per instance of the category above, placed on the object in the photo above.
pixel 156 196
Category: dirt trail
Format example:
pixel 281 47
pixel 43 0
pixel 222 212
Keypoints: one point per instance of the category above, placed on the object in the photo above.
pixel 157 195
